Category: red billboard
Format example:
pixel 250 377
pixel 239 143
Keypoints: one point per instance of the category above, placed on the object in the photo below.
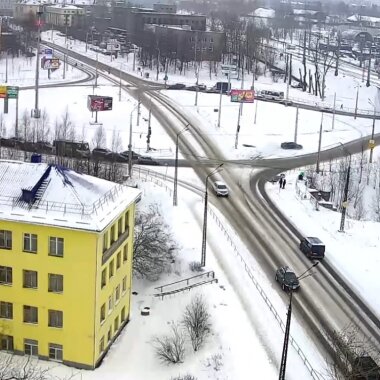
pixel 99 103
pixel 242 96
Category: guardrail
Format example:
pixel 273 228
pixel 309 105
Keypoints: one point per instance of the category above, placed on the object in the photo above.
pixel 157 179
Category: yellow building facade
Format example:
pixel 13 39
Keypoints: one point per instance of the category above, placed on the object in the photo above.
pixel 65 289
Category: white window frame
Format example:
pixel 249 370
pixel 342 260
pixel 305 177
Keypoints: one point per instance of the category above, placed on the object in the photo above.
pixel 30 239
pixel 56 241
pixel 55 349
pixel 29 313
pixel 8 275
pixel 6 310
pixel 55 318
pixel 32 346
pixel 28 279
pixel 6 237
pixel 54 279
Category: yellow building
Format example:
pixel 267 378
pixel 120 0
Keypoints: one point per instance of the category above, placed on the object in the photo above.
pixel 65 262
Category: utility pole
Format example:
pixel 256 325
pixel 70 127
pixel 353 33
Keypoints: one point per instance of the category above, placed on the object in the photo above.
pixel 319 144
pixel 220 105
pixel 175 196
pixel 356 103
pixel 296 126
pixel 372 142
pixel 333 118
pixel 138 111
pixel 345 198
pixel 254 120
pixel 197 69
pixel 120 83
pixel 36 111
pixel 130 144
pixel 149 127
pixel 369 68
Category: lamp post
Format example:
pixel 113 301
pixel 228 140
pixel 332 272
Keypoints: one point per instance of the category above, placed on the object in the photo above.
pixel 319 145
pixel 373 131
pixel 345 193
pixel 6 65
pixel 130 143
pixel 204 234
pixel 175 197
pixel 36 111
pixel 356 102
pixel 287 326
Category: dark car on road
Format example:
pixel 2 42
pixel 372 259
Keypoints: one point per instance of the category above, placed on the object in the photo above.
pixel 177 86
pixel 147 160
pixel 101 153
pixel 287 279
pixel 125 155
pixel 312 247
pixel 291 145
pixel 200 87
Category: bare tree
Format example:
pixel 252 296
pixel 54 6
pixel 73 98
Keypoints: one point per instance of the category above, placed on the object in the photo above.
pixel 43 127
pixel 65 129
pixel 99 139
pixel 153 247
pixel 196 320
pixel 171 349
pixel 25 125
pixel 348 347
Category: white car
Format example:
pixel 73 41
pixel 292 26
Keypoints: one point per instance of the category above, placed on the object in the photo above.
pixel 220 188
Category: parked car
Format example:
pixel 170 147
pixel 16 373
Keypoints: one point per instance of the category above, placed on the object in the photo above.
pixel 44 147
pixel 291 145
pixel 101 152
pixel 220 188
pixel 313 247
pixel 177 86
pixel 201 87
pixel 271 95
pixel 68 148
pixel 147 160
pixel 287 279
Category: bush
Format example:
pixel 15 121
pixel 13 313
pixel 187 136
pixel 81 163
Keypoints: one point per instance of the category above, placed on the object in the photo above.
pixel 171 349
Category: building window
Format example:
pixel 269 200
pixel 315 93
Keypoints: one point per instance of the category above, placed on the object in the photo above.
pixel 56 246
pixel 116 324
pixel 31 347
pixel 113 234
pixel 56 352
pixel 125 253
pixel 30 314
pixel 7 343
pixel 55 318
pixel 30 243
pixel 124 284
pixel 122 316
pixel 104 278
pixel 118 260
pixel 103 313
pixel 109 335
pixel 211 48
pixel 30 279
pixel 120 226
pixel 117 293
pixel 110 306
pixel 101 345
pixel 5 275
pixel 111 268
pixel 126 221
pixel 105 241
pixel 5 239
pixel 55 283
pixel 6 310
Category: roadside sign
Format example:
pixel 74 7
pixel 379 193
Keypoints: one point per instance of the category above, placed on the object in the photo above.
pixel 371 144
pixel 50 63
pixel 12 92
pixel 3 92
pixel 242 96
pixel 99 103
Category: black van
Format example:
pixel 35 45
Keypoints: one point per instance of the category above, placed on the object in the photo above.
pixel 312 247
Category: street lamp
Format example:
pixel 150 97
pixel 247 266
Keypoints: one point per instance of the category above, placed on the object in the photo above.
pixel 372 142
pixel 204 235
pixel 175 197
pixel 6 65
pixel 287 326
pixel 36 111
pixel 130 143
pixel 345 193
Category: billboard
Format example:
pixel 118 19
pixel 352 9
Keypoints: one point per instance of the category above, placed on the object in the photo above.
pixel 242 96
pixel 99 103
pixel 50 63
pixel 113 45
pixel 3 92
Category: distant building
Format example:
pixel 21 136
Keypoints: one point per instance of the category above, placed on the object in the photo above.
pixel 165 8
pixel 189 45
pixel 364 21
pixel 66 243
pixel 27 9
pixel 6 7
pixel 63 15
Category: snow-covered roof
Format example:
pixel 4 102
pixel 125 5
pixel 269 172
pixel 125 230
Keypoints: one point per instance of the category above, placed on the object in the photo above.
pixel 304 12
pixel 63 6
pixel 52 195
pixel 358 18
pixel 264 12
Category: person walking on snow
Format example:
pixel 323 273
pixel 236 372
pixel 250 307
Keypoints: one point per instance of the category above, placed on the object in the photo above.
pixel 283 183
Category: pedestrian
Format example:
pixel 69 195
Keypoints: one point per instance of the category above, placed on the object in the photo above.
pixel 284 183
pixel 341 106
pixel 280 182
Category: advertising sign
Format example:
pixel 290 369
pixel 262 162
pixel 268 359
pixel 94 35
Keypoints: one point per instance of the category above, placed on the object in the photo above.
pixel 3 92
pixel 12 92
pixel 50 63
pixel 99 103
pixel 242 96
pixel 113 46
pixel 47 52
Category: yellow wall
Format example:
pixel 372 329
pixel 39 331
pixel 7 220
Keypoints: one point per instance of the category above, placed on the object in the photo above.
pixel 82 296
